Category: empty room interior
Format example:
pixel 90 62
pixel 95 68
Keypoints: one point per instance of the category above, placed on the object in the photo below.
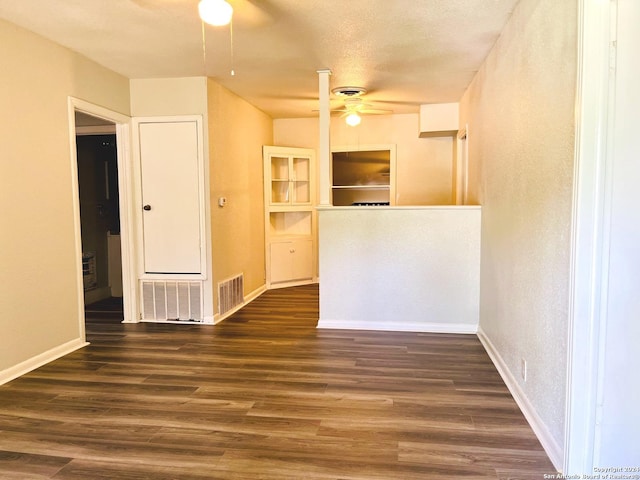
pixel 290 239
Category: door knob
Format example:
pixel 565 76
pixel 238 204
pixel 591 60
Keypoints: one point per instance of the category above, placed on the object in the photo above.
pixel 147 207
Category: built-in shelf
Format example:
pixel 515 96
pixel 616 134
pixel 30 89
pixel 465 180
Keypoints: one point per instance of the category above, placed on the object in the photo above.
pixel 363 175
pixel 283 223
pixel 361 187
pixel 289 216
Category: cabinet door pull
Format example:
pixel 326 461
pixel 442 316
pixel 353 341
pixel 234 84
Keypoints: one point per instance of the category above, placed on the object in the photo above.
pixel 147 207
pixel 293 250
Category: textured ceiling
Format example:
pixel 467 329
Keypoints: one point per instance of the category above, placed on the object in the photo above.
pixel 405 52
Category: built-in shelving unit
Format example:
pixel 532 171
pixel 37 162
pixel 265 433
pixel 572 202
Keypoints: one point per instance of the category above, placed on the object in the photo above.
pixel 363 176
pixel 289 216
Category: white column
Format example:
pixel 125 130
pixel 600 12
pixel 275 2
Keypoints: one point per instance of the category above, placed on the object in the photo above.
pixel 324 149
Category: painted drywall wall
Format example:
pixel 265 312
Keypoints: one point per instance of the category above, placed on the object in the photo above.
pixel 39 274
pixel 400 268
pixel 520 111
pixel 237 133
pixel 424 165
pixel 152 97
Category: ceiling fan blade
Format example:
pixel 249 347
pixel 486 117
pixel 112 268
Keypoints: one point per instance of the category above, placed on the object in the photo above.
pixel 333 112
pixel 398 102
pixel 374 111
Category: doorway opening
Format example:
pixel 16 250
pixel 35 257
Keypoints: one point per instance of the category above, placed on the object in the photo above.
pixel 87 118
pixel 98 188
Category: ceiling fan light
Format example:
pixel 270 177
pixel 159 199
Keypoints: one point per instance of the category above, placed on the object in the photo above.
pixel 215 12
pixel 353 119
pixel 349 92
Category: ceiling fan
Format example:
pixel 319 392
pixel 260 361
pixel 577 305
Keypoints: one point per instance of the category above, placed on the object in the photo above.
pixel 245 12
pixel 353 106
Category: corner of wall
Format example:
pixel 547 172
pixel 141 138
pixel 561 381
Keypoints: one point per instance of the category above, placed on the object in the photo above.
pixel 553 449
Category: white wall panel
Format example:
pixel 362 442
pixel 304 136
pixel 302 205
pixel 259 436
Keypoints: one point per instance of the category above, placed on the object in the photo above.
pixel 402 268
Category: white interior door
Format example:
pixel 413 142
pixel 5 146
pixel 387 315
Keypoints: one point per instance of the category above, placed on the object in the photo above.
pixel 170 177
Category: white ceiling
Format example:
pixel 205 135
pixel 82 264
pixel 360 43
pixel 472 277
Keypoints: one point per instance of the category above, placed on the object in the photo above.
pixel 405 52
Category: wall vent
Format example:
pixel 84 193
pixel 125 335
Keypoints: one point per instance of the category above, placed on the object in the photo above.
pixel 230 293
pixel 164 300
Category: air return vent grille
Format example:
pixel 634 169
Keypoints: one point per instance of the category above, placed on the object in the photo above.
pixel 171 300
pixel 231 293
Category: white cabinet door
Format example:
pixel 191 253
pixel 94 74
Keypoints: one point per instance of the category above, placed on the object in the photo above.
pixel 170 176
pixel 281 262
pixel 302 267
pixel 291 261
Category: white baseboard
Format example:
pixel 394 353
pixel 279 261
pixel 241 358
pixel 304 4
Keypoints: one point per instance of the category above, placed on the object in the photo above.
pixel 255 294
pixel 554 451
pixel 399 327
pixel 295 283
pixel 217 318
pixel 34 362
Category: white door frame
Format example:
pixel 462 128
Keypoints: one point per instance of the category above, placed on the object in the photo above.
pixel 461 180
pixel 127 232
pixel 590 231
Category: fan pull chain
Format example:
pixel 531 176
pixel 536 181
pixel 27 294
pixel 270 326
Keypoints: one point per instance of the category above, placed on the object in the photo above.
pixel 233 72
pixel 204 50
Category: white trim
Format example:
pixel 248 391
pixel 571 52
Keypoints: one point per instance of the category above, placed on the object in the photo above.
pixel 395 326
pixel 172 276
pixel 129 281
pixel 208 280
pixel 175 322
pixel 42 359
pixel 553 449
pixel 293 283
pixel 77 227
pixel 96 130
pixel 461 186
pixel 217 318
pixel 589 233
pixel 131 306
pixel 323 208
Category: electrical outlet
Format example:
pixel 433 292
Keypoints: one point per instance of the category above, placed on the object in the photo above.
pixel 523 369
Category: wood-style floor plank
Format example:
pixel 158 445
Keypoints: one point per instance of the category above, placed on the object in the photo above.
pixel 265 396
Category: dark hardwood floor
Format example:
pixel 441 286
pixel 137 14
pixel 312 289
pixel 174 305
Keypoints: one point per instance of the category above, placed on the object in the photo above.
pixel 265 395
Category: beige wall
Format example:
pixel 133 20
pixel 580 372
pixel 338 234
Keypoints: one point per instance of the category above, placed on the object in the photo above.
pixel 424 165
pixel 152 97
pixel 237 132
pixel 38 278
pixel 520 111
